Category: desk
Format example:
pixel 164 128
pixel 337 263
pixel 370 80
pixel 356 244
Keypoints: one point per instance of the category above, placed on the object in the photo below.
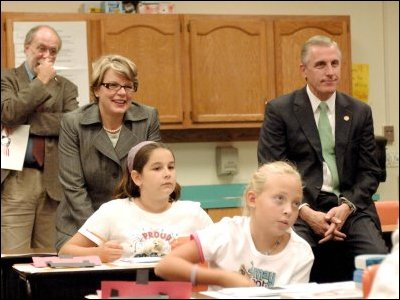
pixel 9 279
pixel 74 283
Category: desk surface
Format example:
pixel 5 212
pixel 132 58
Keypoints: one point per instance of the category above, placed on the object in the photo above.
pixel 9 278
pixel 75 283
pixel 26 269
pixel 28 253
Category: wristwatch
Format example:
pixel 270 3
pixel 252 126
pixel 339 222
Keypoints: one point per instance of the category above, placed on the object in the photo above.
pixel 346 201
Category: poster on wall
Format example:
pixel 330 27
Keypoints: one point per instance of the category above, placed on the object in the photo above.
pixel 72 60
pixel 360 81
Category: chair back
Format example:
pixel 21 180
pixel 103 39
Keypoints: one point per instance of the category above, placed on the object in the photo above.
pixel 368 278
pixel 388 212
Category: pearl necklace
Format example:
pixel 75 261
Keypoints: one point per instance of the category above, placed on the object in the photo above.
pixel 112 130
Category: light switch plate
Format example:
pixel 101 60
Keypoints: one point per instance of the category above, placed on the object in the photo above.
pixel 388 133
pixel 227 160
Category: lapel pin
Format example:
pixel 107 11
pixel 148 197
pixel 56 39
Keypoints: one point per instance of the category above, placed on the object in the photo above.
pixel 346 118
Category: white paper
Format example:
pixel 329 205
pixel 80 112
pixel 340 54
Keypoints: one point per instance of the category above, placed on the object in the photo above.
pixel 137 260
pixel 13 147
pixel 256 292
pixel 302 290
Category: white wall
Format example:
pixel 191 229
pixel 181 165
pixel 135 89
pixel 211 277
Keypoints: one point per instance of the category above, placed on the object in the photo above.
pixel 374 41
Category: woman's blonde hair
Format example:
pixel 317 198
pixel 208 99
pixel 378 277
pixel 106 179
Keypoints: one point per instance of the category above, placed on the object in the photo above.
pixel 120 64
pixel 261 176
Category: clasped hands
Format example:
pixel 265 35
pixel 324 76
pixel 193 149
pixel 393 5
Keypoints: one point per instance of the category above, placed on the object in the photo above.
pixel 329 224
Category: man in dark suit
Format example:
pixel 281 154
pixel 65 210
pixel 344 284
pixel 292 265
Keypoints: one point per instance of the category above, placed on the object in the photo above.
pixel 339 180
pixel 34 94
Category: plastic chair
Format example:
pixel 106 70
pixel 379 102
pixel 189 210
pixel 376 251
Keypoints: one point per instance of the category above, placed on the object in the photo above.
pixel 388 212
pixel 368 278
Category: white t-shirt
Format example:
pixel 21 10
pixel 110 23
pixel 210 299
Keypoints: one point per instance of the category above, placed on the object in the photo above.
pixel 228 245
pixel 142 233
pixel 386 282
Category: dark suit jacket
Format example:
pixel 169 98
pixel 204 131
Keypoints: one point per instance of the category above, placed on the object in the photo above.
pixel 290 133
pixel 90 167
pixel 20 98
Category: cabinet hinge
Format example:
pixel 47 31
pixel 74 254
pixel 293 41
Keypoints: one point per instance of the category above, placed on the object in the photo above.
pixel 188 27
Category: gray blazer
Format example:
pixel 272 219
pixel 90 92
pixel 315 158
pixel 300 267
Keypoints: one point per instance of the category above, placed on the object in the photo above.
pixel 20 98
pixel 90 167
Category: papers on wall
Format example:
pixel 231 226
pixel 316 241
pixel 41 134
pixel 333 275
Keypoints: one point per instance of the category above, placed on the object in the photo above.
pixel 72 60
pixel 360 81
pixel 13 147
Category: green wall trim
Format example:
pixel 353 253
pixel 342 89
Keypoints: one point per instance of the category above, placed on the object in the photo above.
pixel 215 196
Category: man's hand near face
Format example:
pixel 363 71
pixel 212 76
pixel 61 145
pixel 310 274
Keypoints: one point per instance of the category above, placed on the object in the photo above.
pixel 45 71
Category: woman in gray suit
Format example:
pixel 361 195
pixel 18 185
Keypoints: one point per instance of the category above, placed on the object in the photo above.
pixel 95 140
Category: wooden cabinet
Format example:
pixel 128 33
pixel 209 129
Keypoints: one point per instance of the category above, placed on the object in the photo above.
pixel 153 43
pixel 208 75
pixel 291 32
pixel 229 69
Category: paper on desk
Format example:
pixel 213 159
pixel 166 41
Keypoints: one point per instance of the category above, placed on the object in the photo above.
pixel 13 147
pixel 258 292
pixel 136 260
pixel 334 290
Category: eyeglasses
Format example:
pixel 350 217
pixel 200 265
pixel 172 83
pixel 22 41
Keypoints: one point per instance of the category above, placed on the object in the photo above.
pixel 42 49
pixel 113 86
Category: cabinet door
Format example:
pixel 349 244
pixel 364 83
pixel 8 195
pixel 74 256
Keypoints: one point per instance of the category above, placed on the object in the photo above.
pixel 153 43
pixel 290 35
pixel 229 70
